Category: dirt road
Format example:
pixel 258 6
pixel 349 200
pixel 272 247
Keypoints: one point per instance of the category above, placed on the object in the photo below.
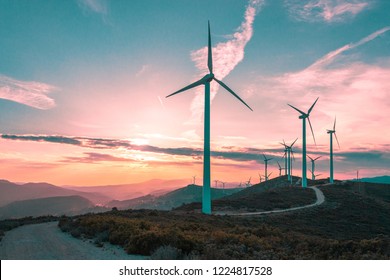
pixel 320 199
pixel 47 242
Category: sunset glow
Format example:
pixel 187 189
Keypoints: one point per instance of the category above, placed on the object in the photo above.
pixel 83 86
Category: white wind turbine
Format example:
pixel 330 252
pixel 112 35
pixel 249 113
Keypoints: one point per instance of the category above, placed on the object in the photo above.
pixel 280 168
pixel 305 116
pixel 331 132
pixel 248 183
pixel 313 166
pixel 266 166
pixel 289 155
pixel 206 195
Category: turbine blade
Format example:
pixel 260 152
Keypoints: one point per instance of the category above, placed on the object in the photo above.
pixel 311 128
pixel 210 56
pixel 336 139
pixel 197 83
pixel 293 143
pixel 297 109
pixel 232 92
pixel 334 125
pixel 310 157
pixel 278 164
pixel 312 106
pixel 317 157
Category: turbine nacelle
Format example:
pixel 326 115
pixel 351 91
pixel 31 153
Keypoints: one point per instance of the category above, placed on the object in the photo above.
pixel 305 116
pixel 208 78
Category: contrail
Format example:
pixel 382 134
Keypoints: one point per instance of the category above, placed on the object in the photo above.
pixel 226 57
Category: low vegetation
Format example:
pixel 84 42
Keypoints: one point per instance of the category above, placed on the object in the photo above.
pixel 346 226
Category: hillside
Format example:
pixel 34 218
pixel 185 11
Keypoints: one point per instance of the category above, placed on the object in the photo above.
pixel 168 201
pixel 130 191
pixel 379 180
pixel 69 205
pixel 11 192
pixel 348 225
pixel 274 194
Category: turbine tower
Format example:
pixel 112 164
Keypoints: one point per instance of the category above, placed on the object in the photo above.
pixel 266 165
pixel 206 194
pixel 313 166
pixel 305 116
pixel 289 155
pixel 331 132
pixel 248 183
pixel 280 168
pixel 314 175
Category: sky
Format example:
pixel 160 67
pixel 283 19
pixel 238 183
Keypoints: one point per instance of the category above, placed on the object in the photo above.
pixel 83 86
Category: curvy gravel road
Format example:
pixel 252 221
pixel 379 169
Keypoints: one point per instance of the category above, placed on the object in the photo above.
pixel 47 242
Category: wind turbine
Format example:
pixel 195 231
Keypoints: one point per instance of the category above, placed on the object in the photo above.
pixel 305 116
pixel 260 177
pixel 248 183
pixel 193 180
pixel 206 195
pixel 266 165
pixel 314 176
pixel 289 155
pixel 331 132
pixel 313 166
pixel 216 183
pixel 280 168
pixel 267 177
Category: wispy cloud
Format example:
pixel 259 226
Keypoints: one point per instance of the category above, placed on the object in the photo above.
pixel 33 94
pixel 355 91
pixel 326 10
pixel 95 158
pixel 377 156
pixel 96 6
pixel 330 57
pixel 226 56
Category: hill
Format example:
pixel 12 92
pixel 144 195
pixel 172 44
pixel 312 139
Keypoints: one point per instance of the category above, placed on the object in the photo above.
pixel 11 192
pixel 348 225
pixel 69 205
pixel 130 191
pixel 274 194
pixel 168 201
pixel 379 180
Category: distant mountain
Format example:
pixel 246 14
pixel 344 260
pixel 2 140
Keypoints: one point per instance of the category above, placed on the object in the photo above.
pixel 130 191
pixel 11 192
pixel 173 199
pixel 380 180
pixel 69 205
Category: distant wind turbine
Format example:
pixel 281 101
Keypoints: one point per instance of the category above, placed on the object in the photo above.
pixel 260 178
pixel 313 166
pixel 331 132
pixel 314 176
pixel 266 166
pixel 248 183
pixel 280 168
pixel 206 195
pixel 193 180
pixel 289 155
pixel 305 116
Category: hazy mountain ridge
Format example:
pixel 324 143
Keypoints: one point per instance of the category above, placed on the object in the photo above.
pixel 380 179
pixel 170 200
pixel 56 206
pixel 134 190
pixel 11 192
